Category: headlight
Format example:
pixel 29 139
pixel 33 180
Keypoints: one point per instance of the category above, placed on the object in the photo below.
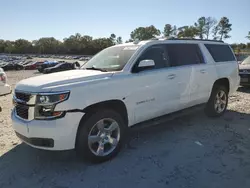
pixel 3 77
pixel 51 98
pixel 46 103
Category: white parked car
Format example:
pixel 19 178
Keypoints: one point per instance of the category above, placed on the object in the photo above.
pixel 90 109
pixel 4 87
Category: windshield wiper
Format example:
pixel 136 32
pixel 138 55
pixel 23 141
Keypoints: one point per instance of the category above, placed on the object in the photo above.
pixel 95 68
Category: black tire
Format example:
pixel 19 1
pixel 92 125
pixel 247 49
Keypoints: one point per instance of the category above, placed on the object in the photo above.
pixel 82 147
pixel 210 107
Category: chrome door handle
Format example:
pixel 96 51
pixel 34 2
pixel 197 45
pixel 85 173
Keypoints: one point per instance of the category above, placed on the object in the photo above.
pixel 203 71
pixel 171 76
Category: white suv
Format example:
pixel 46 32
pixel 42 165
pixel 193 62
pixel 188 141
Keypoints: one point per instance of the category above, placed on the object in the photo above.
pixel 91 108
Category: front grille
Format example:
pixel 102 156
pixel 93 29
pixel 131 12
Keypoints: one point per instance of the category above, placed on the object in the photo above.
pixel 23 96
pixel 22 111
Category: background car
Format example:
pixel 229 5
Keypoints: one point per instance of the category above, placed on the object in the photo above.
pixel 33 65
pixel 60 67
pixel 4 87
pixel 11 66
pixel 244 71
pixel 46 64
pixel 241 57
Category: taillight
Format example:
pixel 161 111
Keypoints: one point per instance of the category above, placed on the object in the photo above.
pixel 3 78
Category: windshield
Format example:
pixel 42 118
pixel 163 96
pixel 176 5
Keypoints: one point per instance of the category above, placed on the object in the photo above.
pixel 111 59
pixel 246 61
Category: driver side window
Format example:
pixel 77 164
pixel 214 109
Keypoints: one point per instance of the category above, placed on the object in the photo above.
pixel 157 54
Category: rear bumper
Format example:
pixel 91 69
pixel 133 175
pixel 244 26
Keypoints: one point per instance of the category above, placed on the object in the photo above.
pixel 59 134
pixel 244 80
pixel 5 89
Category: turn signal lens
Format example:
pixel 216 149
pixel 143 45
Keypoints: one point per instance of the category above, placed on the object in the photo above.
pixel 55 114
pixel 62 97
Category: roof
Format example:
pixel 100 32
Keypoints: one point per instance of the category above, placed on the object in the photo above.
pixel 171 40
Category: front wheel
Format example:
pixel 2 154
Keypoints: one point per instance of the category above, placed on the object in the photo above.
pixel 218 101
pixel 101 136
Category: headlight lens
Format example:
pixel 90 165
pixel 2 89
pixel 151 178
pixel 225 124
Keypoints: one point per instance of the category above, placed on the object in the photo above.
pixel 52 99
pixel 3 77
pixel 45 105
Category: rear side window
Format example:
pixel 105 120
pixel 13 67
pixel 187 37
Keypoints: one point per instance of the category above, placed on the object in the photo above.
pixel 184 54
pixel 220 53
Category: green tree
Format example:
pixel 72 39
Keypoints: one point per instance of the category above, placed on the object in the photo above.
pixel 210 23
pixel 187 32
pixel 9 47
pixel 242 46
pixel 145 33
pixel 22 46
pixel 119 40
pixel 169 31
pixel 248 36
pixel 113 38
pixel 234 46
pixel 222 29
pixel 248 45
pixel 2 45
pixel 48 45
pixel 200 27
pixel 73 44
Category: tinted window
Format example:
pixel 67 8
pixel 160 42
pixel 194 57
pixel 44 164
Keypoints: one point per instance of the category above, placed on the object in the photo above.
pixel 220 53
pixel 184 54
pixel 156 53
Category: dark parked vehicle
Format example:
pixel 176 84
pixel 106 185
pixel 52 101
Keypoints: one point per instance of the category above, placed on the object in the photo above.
pixel 46 64
pixel 25 63
pixel 61 67
pixel 33 65
pixel 244 71
pixel 11 66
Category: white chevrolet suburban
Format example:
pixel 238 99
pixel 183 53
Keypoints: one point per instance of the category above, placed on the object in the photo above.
pixel 90 109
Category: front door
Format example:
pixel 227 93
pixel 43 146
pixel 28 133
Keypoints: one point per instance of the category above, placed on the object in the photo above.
pixel 154 92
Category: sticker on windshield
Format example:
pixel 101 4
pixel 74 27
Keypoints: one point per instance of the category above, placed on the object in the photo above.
pixel 130 48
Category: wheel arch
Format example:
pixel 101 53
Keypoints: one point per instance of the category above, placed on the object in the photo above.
pixel 116 105
pixel 222 82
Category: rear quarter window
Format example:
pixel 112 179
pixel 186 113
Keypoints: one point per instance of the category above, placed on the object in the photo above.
pixel 220 53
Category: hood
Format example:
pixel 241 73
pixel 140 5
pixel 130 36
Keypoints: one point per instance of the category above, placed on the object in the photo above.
pixel 45 83
pixel 244 67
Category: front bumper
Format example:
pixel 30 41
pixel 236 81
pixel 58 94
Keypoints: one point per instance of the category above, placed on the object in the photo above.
pixel 5 89
pixel 59 134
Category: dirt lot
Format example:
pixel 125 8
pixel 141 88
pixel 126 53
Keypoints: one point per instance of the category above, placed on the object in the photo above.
pixel 192 151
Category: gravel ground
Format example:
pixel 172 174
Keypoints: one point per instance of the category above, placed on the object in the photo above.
pixel 191 151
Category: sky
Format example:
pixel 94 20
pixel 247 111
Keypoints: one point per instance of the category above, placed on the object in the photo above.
pixel 33 19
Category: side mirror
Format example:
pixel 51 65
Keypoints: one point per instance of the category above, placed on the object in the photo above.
pixel 146 63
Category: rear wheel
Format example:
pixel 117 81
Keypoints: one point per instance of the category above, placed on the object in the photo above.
pixel 218 101
pixel 101 136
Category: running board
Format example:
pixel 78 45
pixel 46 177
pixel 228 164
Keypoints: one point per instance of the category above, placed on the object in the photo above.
pixel 169 117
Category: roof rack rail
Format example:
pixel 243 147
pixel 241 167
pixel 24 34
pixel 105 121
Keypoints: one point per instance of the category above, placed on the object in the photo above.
pixel 172 38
